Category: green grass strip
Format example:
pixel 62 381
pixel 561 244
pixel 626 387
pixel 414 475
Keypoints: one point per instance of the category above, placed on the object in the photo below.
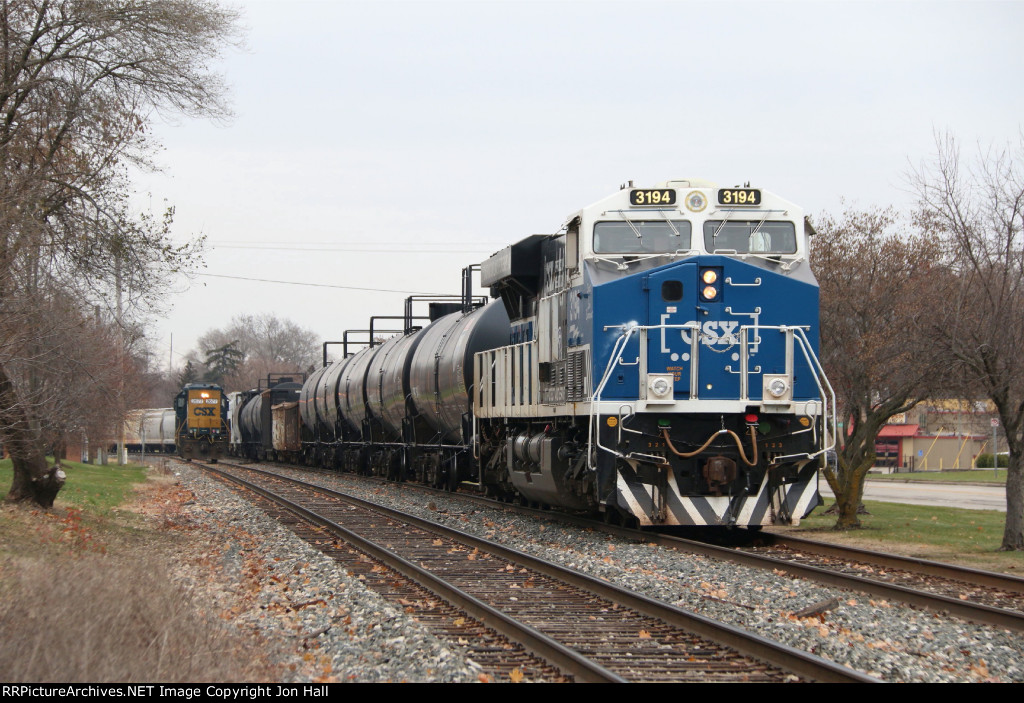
pixel 966 476
pixel 88 486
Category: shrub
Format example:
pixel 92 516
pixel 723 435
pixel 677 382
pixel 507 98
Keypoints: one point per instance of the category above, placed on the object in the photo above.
pixel 985 461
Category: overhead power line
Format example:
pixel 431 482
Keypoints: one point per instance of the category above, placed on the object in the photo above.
pixel 315 285
pixel 370 247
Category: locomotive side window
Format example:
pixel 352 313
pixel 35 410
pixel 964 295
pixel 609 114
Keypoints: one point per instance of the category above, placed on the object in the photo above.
pixel 672 291
pixel 658 237
pixel 572 246
pixel 750 237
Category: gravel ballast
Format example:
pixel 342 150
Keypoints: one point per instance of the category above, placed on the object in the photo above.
pixel 322 624
pixel 350 633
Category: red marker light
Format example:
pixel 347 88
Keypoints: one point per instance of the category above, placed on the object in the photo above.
pixel 751 419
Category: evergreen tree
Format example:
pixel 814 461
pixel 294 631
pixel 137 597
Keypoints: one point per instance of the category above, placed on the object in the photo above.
pixel 222 361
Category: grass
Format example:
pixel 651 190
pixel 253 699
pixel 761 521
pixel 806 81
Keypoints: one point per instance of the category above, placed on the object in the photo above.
pixel 955 535
pixel 92 591
pixel 966 475
pixel 88 486
pixel 95 619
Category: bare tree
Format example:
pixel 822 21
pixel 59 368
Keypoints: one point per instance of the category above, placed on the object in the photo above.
pixel 875 274
pixel 78 81
pixel 979 327
pixel 268 344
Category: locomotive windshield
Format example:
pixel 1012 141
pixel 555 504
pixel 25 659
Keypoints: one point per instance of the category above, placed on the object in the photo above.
pixel 750 237
pixel 635 237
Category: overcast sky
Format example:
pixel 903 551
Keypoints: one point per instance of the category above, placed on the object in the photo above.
pixel 385 145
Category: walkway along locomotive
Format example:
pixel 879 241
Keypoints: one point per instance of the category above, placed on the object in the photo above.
pixel 655 360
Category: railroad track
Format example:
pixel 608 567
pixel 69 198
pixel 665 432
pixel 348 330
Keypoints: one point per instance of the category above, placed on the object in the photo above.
pixel 587 629
pixel 979 596
pixel 990 597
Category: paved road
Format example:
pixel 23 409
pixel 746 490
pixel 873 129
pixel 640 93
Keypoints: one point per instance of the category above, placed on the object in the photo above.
pixel 950 495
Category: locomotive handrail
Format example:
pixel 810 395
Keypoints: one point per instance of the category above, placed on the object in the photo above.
pixel 805 346
pixel 620 344
pixel 819 375
pixel 797 332
pixel 755 284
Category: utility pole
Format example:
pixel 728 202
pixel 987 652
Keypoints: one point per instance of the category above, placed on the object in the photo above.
pixel 121 458
pixel 995 447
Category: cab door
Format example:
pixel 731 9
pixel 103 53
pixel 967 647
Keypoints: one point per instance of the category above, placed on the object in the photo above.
pixel 672 300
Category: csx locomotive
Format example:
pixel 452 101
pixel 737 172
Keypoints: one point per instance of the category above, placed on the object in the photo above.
pixel 655 360
pixel 201 428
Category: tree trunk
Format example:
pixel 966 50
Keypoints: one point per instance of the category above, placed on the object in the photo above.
pixel 850 499
pixel 855 459
pixel 1013 532
pixel 33 479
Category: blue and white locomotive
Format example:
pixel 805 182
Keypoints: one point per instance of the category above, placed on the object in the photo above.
pixel 655 360
pixel 664 361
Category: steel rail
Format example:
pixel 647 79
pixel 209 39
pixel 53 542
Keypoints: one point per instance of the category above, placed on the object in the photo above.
pixel 750 644
pixel 978 577
pixel 975 612
pixel 568 660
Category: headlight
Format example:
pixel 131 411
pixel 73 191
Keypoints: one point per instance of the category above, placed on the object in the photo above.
pixel 711 290
pixel 661 387
pixel 778 387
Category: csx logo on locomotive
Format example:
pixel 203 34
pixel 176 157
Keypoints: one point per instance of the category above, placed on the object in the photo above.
pixel 716 332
